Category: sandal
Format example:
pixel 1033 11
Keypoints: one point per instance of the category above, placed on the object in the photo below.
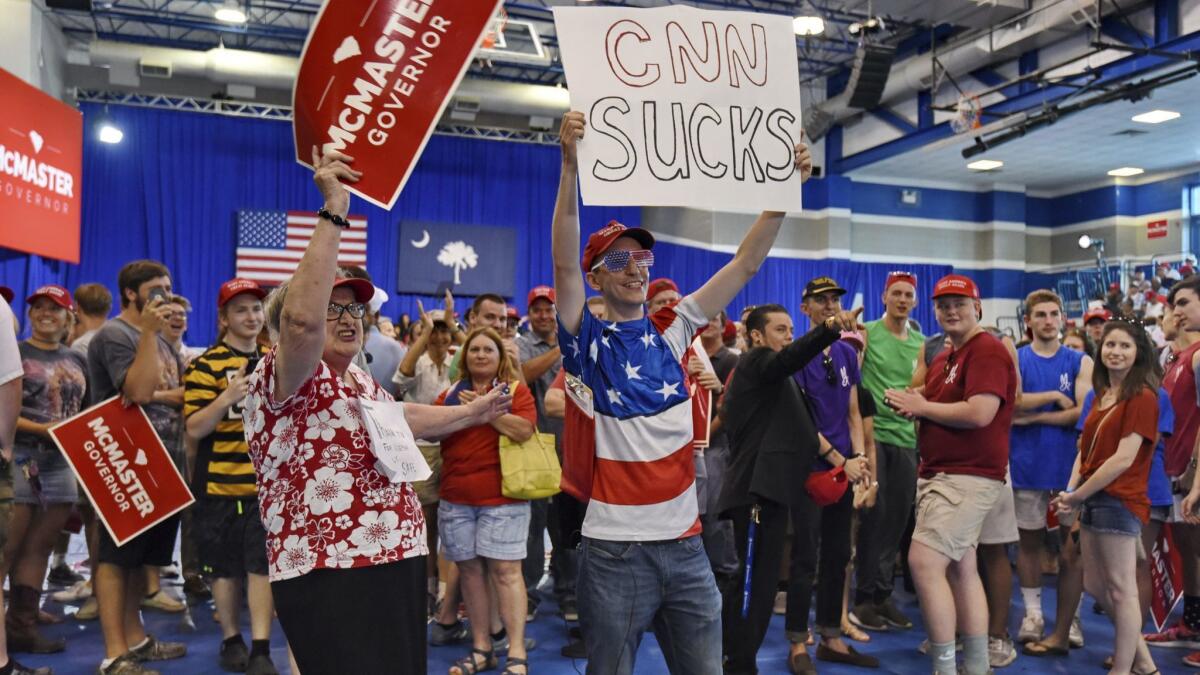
pixel 852 632
pixel 1040 648
pixel 515 661
pixel 467 665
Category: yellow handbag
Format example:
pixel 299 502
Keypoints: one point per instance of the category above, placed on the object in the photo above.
pixel 529 470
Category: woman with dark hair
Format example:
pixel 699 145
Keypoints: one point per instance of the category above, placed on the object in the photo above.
pixel 481 530
pixel 1108 483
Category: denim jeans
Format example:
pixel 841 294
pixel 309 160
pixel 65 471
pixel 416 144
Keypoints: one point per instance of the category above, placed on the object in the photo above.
pixel 627 587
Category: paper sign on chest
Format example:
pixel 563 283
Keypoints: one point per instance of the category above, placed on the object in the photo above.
pixel 685 107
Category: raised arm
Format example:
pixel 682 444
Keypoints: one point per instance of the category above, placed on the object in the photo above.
pixel 408 365
pixel 718 291
pixel 142 377
pixel 302 322
pixel 568 277
pixel 435 422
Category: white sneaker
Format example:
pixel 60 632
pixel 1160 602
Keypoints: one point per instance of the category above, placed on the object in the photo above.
pixel 1000 652
pixel 1032 628
pixel 1075 637
pixel 81 590
pixel 781 602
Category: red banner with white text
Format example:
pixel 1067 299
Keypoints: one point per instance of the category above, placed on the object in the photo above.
pixel 123 467
pixel 1166 577
pixel 41 168
pixel 374 79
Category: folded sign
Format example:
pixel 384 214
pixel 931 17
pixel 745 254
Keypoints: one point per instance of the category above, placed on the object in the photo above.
pixel 685 107
pixel 374 79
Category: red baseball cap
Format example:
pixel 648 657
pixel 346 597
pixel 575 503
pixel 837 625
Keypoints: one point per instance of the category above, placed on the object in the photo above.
pixel 896 277
pixel 540 292
pixel 7 294
pixel 658 286
pixel 855 339
pixel 604 237
pixel 363 290
pixel 60 296
pixel 956 284
pixel 729 331
pixel 826 487
pixel 1097 313
pixel 512 313
pixel 237 286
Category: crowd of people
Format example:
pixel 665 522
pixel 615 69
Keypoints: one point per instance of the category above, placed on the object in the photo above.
pixel 715 472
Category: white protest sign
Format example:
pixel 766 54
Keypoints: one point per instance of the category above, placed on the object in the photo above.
pixel 392 441
pixel 685 107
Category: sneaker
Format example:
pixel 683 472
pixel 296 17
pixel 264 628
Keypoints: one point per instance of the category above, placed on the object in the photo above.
pixel 569 610
pixel 62 575
pixel 126 664
pixel 1178 635
pixel 780 602
pixel 502 645
pixel 1192 660
pixel 81 590
pixel 163 602
pixel 194 586
pixel 866 615
pixel 1032 628
pixel 1000 651
pixel 924 646
pixel 19 669
pixel 892 615
pixel 233 656
pixel 89 611
pixel 1075 637
pixel 261 664
pixel 170 571
pixel 440 636
pixel 154 650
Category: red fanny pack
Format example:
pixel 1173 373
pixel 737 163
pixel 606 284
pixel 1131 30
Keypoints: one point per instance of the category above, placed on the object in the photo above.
pixel 827 487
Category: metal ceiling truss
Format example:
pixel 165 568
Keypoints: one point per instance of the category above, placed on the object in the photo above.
pixel 284 114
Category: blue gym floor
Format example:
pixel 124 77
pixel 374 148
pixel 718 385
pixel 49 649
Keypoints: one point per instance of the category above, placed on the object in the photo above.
pixel 896 650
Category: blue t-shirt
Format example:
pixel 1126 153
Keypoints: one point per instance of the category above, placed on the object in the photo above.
pixel 1042 455
pixel 1158 489
pixel 831 400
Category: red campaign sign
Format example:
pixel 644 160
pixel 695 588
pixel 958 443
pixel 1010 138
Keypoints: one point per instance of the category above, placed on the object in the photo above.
pixel 1156 229
pixel 1166 577
pixel 41 164
pixel 123 467
pixel 374 79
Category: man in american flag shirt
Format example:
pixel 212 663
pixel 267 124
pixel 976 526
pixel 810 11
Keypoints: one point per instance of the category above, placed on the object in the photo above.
pixel 642 562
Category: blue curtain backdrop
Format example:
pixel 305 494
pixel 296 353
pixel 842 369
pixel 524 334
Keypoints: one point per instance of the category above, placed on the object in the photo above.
pixel 171 189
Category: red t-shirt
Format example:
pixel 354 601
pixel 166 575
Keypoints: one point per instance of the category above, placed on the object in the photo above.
pixel 1180 383
pixel 471 457
pixel 982 366
pixel 1103 431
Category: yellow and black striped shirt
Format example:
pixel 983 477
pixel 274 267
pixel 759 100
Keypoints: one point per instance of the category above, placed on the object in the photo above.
pixel 223 467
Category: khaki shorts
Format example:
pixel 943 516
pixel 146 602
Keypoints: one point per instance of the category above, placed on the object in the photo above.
pixel 427 490
pixel 1000 524
pixel 951 509
pixel 1032 507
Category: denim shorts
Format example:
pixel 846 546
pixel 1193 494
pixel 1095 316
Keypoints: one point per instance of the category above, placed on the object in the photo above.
pixel 1103 512
pixel 496 532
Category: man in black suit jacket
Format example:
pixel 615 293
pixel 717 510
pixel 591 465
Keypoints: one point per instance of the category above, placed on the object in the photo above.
pixel 773 444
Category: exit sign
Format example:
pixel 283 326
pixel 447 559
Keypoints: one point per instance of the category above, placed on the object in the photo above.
pixel 1156 229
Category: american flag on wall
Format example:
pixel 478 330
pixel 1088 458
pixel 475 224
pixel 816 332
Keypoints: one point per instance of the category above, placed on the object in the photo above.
pixel 271 243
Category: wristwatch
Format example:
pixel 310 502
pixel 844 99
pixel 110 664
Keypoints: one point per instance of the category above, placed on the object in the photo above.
pixel 333 218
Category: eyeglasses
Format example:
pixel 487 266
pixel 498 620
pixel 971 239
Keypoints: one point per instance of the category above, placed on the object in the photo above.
pixel 830 376
pixel 616 261
pixel 334 313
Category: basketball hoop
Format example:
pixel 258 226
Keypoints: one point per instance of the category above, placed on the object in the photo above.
pixel 967 115
pixel 495 31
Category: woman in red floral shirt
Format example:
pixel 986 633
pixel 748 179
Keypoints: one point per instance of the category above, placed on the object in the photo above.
pixel 345 543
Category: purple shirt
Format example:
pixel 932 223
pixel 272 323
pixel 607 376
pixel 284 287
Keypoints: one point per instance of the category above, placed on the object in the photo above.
pixel 831 400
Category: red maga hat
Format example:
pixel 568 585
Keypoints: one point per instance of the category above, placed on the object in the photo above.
pixel 956 284
pixel 604 237
pixel 60 296
pixel 237 286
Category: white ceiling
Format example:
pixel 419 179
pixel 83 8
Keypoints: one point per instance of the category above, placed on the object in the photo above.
pixel 1078 149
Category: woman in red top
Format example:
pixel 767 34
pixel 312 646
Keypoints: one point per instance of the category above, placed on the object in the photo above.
pixel 480 528
pixel 1108 483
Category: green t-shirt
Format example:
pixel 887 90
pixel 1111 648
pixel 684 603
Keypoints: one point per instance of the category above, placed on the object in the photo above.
pixel 889 364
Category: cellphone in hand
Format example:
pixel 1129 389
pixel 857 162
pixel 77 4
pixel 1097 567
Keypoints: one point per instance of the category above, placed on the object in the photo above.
pixel 157 293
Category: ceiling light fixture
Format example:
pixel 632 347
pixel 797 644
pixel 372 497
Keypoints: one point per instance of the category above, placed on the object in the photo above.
pixel 808 25
pixel 1156 116
pixel 985 165
pixel 1126 171
pixel 230 14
